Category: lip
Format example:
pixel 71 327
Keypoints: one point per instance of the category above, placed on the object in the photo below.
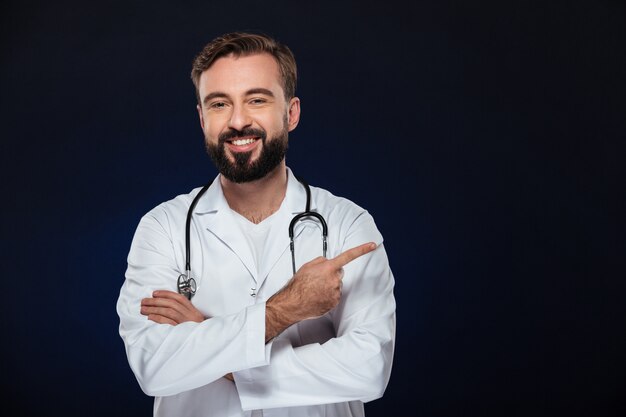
pixel 243 148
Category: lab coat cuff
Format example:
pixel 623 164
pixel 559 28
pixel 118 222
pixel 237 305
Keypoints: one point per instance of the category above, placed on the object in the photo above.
pixel 260 388
pixel 256 351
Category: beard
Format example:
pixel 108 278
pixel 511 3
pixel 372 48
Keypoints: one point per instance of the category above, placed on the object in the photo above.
pixel 241 169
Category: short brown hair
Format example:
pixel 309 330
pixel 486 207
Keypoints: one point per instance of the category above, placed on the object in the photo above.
pixel 244 44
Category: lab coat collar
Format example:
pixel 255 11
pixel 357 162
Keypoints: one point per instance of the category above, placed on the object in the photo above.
pixel 295 197
pixel 216 216
pixel 294 202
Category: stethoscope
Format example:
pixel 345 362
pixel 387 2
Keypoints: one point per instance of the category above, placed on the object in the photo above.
pixel 187 285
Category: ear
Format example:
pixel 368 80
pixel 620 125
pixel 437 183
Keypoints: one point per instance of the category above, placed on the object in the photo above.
pixel 293 115
pixel 200 116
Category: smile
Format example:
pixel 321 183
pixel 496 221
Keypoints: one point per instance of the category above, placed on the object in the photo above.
pixel 241 142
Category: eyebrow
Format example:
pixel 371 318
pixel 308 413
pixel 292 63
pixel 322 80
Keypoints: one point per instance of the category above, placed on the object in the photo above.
pixel 219 94
pixel 213 95
pixel 263 91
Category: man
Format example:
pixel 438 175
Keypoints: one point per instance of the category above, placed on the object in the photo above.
pixel 256 339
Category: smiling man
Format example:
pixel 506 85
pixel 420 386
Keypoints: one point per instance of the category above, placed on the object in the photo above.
pixel 286 307
pixel 241 101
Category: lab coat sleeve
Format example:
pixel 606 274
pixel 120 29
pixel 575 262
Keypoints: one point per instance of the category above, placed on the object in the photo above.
pixel 167 360
pixel 354 365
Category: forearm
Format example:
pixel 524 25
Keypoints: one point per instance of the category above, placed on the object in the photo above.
pixel 354 366
pixel 281 311
pixel 171 359
pixel 350 361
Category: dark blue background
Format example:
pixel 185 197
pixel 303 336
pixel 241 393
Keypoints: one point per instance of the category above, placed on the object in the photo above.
pixel 486 138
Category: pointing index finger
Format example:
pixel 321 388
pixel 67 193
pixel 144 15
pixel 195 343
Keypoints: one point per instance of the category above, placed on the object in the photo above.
pixel 351 254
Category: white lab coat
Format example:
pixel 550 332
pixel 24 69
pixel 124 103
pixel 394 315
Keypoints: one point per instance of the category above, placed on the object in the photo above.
pixel 326 366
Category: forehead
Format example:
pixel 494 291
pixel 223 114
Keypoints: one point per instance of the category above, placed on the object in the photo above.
pixel 236 75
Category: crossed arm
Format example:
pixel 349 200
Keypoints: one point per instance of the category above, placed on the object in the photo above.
pixel 314 290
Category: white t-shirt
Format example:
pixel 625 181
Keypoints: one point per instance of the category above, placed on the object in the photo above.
pixel 256 235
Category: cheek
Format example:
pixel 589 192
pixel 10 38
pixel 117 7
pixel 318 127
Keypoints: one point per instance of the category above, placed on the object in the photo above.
pixel 212 128
pixel 211 133
pixel 275 124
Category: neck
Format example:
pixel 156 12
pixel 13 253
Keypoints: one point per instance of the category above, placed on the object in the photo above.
pixel 257 200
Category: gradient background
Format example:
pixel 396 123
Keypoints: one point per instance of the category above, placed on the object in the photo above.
pixel 486 138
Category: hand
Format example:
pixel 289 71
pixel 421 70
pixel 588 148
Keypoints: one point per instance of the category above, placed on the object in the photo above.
pixel 168 307
pixel 313 291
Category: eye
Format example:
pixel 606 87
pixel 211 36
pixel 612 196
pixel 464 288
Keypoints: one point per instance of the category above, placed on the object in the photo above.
pixel 258 101
pixel 217 105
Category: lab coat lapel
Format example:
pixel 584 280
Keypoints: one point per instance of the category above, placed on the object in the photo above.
pixel 217 218
pixel 278 238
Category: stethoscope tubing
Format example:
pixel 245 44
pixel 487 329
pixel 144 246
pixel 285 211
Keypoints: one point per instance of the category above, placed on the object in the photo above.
pixel 187 284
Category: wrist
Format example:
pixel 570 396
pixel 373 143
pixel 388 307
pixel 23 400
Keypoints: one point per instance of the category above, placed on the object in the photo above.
pixel 277 317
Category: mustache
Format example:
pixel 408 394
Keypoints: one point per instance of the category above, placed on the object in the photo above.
pixel 234 134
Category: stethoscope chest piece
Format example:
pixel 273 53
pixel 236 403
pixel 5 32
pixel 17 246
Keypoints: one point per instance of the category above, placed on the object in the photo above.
pixel 186 286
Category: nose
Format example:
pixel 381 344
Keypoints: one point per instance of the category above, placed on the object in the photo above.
pixel 239 118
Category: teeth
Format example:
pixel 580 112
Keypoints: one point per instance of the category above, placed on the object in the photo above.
pixel 241 142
